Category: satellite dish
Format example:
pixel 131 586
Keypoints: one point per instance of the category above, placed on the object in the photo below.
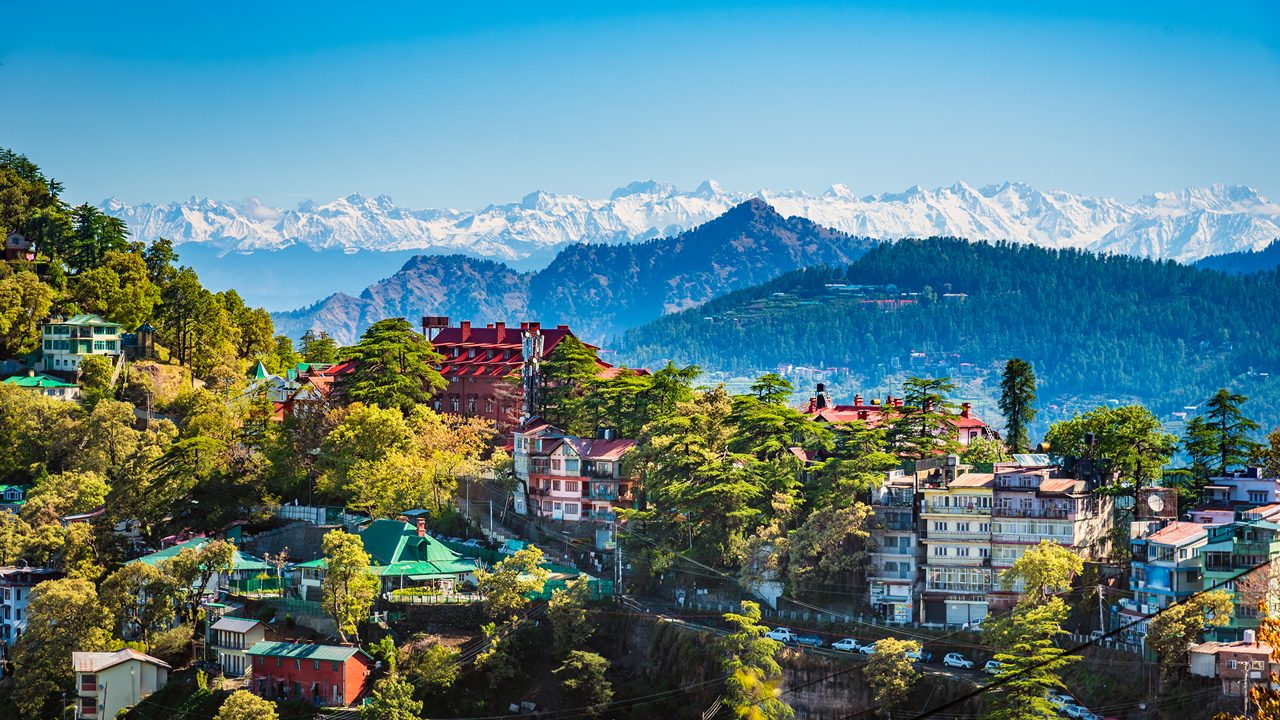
pixel 1155 502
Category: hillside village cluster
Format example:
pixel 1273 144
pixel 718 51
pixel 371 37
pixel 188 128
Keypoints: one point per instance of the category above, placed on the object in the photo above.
pixel 944 530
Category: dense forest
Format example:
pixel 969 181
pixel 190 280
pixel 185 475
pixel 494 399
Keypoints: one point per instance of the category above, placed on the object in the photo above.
pixel 1095 327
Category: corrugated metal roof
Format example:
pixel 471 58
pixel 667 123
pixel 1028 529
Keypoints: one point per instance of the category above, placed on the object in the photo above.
pixel 99 661
pixel 303 651
pixel 235 624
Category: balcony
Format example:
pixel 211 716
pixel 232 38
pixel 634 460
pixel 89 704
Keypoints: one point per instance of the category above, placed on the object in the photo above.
pixel 894 550
pixel 962 535
pixel 1041 513
pixel 1029 538
pixel 896 498
pixel 605 515
pixel 605 494
pixel 955 510
pixel 952 560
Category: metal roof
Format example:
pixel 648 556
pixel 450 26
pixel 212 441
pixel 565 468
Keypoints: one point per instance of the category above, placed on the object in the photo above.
pixel 99 661
pixel 303 651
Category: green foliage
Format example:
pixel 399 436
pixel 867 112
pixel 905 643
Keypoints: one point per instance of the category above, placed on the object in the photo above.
pixel 391 699
pixel 923 427
pixel 244 705
pixel 583 679
pixel 505 588
pixel 981 451
pixel 1130 438
pixel 568 371
pixel 430 666
pixel 890 673
pixel 24 302
pixel 1157 332
pixel 140 596
pixel 64 616
pixel 1030 663
pixel 1043 571
pixel 1017 402
pixel 1227 430
pixel 95 379
pixel 120 289
pixel 319 348
pixel 395 367
pixel 1176 628
pixel 749 659
pixel 349 586
pixel 568 614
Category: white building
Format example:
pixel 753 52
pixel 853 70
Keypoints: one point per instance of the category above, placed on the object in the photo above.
pixel 15 590
pixel 66 342
pixel 108 682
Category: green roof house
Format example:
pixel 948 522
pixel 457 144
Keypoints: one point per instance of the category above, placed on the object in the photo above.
pixel 45 385
pixel 403 555
pixel 65 342
pixel 244 567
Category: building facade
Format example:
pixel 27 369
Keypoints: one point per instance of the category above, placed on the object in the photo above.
pixel 108 682
pixel 955 522
pixel 15 591
pixel 230 638
pixel 45 385
pixel 580 479
pixel 1166 568
pixel 65 342
pixel 896 549
pixel 331 675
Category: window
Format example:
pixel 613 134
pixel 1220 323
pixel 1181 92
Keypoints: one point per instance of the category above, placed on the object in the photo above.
pixel 571 508
pixel 453 403
pixel 962 552
pixel 488 405
pixel 279 662
pixel 471 405
pixel 315 664
pixel 1257 497
pixel 555 484
pixel 939 526
pixel 939 551
pixel 571 485
pixel 984 552
pixel 984 527
pixel 962 527
pixel 1231 664
pixel 571 464
pixel 297 664
pixel 337 667
pixel 555 463
pixel 557 506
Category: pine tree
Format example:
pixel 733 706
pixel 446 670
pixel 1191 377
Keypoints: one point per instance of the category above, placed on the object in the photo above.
pixel 1229 429
pixel 1017 397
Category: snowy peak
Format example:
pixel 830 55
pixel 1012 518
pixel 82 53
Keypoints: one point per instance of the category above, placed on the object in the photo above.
pixel 1183 225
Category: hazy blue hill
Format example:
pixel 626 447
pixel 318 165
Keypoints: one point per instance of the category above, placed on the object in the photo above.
pixel 1094 326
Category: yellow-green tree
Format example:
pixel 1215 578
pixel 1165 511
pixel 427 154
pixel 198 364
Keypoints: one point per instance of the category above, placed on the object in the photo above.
pixel 1177 627
pixel 890 673
pixel 754 686
pixel 64 616
pixel 244 705
pixel 506 587
pixel 1031 664
pixel 349 586
pixel 1044 570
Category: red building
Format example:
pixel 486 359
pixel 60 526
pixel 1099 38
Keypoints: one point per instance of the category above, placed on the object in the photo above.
pixel 320 674
pixel 875 413
pixel 488 368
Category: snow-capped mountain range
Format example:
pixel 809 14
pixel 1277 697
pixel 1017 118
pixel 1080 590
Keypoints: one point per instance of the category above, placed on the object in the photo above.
pixel 1184 226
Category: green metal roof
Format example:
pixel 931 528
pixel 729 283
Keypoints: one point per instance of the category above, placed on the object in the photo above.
pixel 396 549
pixel 302 651
pixel 260 372
pixel 241 561
pixel 87 319
pixel 38 381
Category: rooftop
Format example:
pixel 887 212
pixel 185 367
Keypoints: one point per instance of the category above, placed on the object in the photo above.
pixel 98 661
pixel 304 651
pixel 38 381
pixel 235 624
pixel 973 480
pixel 1178 533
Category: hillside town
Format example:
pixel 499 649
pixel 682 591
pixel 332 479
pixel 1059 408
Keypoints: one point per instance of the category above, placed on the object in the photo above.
pixel 553 477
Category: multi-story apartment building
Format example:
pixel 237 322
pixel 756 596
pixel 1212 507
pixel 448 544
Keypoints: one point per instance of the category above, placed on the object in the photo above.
pixel 1031 505
pixel 1166 568
pixel 1231 549
pixel 896 546
pixel 955 521
pixel 15 590
pixel 66 342
pixel 581 479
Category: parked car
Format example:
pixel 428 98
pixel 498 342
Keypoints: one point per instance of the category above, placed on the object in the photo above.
pixel 1097 634
pixel 783 635
pixel 1061 701
pixel 920 656
pixel 846 645
pixel 991 668
pixel 956 660
pixel 810 640
pixel 1076 711
pixel 868 649
pixel 473 543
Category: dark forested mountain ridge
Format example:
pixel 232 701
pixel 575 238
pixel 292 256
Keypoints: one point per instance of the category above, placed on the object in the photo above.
pixel 600 290
pixel 1095 327
pixel 1247 261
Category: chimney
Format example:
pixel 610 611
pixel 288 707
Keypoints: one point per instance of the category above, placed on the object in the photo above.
pixel 964 409
pixel 857 400
pixel 535 326
pixel 562 327
pixel 465 327
pixel 821 397
pixel 500 329
pixel 812 406
pixel 422 527
pixel 889 400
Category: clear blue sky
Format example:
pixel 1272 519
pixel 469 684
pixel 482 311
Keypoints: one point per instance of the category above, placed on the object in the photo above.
pixel 461 106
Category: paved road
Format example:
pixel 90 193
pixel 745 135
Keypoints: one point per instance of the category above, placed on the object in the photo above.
pixel 649 607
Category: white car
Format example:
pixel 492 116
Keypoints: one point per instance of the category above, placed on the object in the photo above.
pixel 956 660
pixel 1076 711
pixel 868 649
pixel 1061 701
pixel 992 667
pixel 846 645
pixel 782 635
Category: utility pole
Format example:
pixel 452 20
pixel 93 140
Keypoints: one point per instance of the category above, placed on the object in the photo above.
pixel 490 517
pixel 1102 621
pixel 617 560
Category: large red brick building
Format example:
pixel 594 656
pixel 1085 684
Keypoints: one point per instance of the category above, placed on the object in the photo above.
pixel 490 368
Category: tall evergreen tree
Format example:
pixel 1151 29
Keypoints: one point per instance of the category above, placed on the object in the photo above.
pixel 1229 429
pixel 395 367
pixel 1017 398
pixel 924 425
pixel 567 372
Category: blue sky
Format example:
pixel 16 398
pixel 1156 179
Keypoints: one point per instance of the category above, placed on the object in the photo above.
pixel 466 106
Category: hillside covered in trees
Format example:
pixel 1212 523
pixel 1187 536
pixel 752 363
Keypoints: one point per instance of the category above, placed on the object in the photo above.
pixel 1096 328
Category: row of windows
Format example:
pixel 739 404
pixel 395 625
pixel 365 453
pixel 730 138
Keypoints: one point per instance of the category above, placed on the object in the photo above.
pixel 65 346
pixel 568 508
pixel 960 551
pixel 942 526
pixel 258 660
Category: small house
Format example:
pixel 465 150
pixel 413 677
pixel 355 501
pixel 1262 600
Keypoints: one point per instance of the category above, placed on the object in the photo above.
pixel 319 674
pixel 230 637
pixel 108 682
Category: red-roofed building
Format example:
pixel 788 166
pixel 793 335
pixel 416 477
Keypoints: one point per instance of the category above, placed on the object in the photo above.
pixel 487 368
pixel 875 412
pixel 571 478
